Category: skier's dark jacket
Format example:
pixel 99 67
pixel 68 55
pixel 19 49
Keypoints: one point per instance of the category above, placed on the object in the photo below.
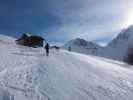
pixel 47 47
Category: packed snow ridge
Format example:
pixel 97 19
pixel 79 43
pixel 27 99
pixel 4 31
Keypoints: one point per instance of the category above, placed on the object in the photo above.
pixel 27 74
pixel 116 49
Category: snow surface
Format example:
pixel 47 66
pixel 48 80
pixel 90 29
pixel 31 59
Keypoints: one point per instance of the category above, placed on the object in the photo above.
pixel 27 74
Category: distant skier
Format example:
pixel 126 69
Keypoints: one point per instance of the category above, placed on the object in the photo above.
pixel 69 48
pixel 47 49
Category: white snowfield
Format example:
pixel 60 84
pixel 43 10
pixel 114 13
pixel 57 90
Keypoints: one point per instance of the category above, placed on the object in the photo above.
pixel 27 74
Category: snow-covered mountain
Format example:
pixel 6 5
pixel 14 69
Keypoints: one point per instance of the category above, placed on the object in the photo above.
pixel 6 39
pixel 27 74
pixel 82 46
pixel 116 49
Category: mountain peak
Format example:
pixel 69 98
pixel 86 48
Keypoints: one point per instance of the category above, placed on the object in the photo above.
pixel 82 46
pixel 123 36
pixel 128 31
pixel 79 41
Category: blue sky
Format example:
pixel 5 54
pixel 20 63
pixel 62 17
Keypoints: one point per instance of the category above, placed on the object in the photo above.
pixel 62 20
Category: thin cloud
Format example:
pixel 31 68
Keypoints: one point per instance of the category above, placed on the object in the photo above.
pixel 63 20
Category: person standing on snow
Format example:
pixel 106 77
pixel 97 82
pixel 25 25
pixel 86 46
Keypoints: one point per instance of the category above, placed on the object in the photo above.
pixel 69 48
pixel 47 49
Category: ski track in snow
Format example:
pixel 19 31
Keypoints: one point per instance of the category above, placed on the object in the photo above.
pixel 27 74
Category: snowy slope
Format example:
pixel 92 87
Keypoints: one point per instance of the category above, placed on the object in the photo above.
pixel 27 74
